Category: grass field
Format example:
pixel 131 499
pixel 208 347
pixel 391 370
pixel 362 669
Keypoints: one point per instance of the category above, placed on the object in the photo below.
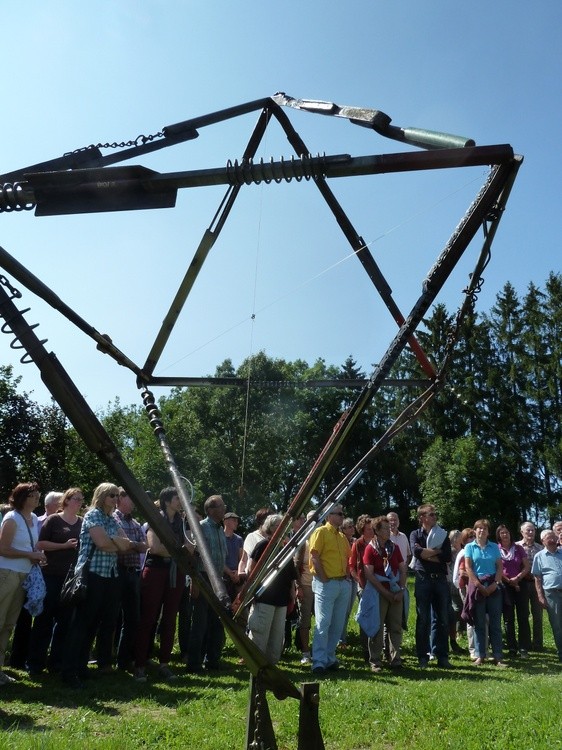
pixel 468 707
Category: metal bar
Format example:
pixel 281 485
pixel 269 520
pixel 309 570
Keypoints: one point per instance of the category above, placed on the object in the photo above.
pixel 191 382
pixel 376 120
pixel 215 577
pixel 207 242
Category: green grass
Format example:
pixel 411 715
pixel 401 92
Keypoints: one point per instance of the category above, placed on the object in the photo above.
pixel 468 707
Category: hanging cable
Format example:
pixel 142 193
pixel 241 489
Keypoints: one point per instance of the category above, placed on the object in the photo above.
pixel 252 319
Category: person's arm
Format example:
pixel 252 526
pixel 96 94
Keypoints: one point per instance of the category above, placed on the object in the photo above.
pixel 540 591
pixel 472 577
pixel 46 543
pixel 7 533
pixel 155 546
pixel 317 565
pixel 374 581
pixel 105 543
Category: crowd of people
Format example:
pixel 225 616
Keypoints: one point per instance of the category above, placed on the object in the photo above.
pixel 137 598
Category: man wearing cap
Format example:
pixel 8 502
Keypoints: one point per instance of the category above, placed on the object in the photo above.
pixel 329 564
pixel 234 543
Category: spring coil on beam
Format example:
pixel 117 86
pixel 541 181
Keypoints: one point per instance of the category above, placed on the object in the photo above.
pixel 248 172
pixel 154 416
pixel 15 197
pixel 15 343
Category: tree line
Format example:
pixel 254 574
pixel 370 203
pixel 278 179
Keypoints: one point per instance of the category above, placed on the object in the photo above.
pixel 489 445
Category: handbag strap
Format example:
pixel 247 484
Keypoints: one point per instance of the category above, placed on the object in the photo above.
pixel 28 531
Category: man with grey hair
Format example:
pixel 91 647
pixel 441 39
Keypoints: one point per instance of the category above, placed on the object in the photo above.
pixel 206 639
pixel 51 502
pixel 547 569
pixel 531 547
pixel 557 528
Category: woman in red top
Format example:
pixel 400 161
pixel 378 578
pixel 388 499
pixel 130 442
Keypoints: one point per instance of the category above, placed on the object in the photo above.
pixel 386 571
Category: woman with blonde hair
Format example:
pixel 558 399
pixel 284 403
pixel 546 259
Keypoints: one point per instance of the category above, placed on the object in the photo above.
pixel 100 541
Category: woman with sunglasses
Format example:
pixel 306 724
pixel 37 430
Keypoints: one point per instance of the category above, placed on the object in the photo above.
pixel 58 538
pixel 101 540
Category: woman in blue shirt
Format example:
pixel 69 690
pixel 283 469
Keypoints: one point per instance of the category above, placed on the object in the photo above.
pixel 484 567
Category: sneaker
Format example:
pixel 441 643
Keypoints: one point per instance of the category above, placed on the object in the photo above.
pixel 523 653
pixel 422 663
pixel 396 664
pixel 318 670
pixel 478 662
pixel 140 675
pixel 376 668
pixel 5 679
pixel 165 672
pixel 306 658
pixel 333 667
pixel 501 664
pixel 444 664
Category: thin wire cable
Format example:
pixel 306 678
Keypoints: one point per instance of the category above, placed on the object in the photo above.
pixel 252 318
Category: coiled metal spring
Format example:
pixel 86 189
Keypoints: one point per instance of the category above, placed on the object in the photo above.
pixel 7 328
pixel 248 172
pixel 15 197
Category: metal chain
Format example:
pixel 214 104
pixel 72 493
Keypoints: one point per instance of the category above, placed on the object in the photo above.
pixel 15 293
pixel 140 140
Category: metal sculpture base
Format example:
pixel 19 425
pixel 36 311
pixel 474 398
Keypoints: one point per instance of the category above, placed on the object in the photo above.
pixel 259 727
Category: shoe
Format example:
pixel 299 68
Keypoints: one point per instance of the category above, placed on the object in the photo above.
pixel 456 649
pixel 444 664
pixel 318 670
pixel 165 672
pixel 195 668
pixel 523 653
pixel 306 659
pixel 422 663
pixel 501 664
pixel 478 662
pixel 107 670
pixel 396 664
pixel 376 668
pixel 140 675
pixel 333 667
pixel 5 679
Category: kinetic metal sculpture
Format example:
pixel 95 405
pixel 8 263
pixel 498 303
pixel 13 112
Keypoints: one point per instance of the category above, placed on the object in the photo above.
pixel 83 181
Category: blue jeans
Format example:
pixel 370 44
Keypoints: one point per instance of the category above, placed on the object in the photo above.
pixel 554 609
pixel 432 595
pixel 492 607
pixel 331 600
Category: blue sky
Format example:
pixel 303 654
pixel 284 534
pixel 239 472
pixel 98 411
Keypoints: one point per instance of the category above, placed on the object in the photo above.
pixel 85 73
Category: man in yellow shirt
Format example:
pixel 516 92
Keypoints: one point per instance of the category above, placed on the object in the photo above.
pixel 329 564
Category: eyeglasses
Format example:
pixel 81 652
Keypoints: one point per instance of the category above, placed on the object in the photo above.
pixel 77 499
